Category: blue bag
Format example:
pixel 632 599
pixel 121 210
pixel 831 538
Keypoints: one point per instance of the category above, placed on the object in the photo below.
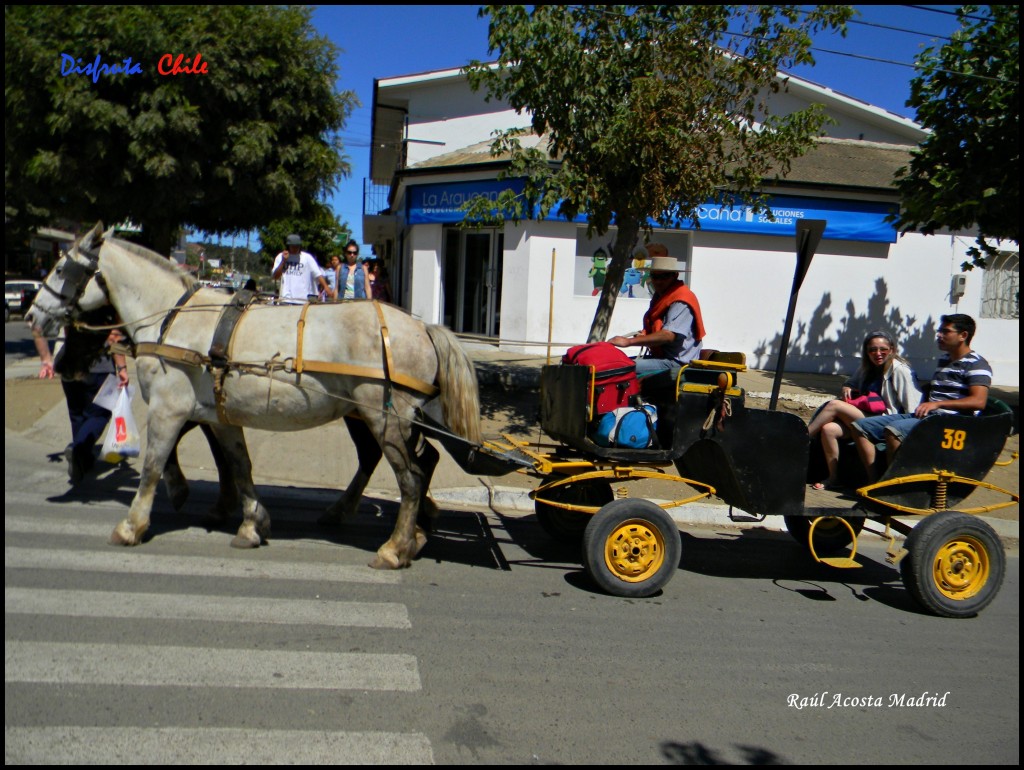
pixel 636 428
pixel 628 427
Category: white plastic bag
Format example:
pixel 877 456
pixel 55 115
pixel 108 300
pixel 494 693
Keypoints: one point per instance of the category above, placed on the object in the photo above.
pixel 122 439
pixel 109 392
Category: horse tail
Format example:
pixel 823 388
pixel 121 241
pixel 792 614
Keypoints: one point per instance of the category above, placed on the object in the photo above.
pixel 456 376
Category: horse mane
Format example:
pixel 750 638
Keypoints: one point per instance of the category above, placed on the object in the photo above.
pixel 187 281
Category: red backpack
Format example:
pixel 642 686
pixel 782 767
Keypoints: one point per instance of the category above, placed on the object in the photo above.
pixel 614 374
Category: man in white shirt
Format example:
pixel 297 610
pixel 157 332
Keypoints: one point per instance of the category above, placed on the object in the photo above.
pixel 299 274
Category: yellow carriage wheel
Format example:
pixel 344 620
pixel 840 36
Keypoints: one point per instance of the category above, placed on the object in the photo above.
pixel 631 548
pixel 962 567
pixel 634 551
pixel 954 565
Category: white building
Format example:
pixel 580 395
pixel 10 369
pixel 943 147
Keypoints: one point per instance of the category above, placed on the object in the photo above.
pixel 431 139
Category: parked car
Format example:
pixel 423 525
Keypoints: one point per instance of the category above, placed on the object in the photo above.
pixel 18 296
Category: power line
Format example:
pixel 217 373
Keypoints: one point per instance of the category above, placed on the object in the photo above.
pixel 892 62
pixel 948 13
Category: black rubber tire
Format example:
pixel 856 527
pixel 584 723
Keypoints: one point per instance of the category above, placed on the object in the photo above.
pixel 651 555
pixel 568 526
pixel 955 564
pixel 829 537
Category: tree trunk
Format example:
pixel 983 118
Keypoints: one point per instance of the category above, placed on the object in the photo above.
pixel 622 253
pixel 159 236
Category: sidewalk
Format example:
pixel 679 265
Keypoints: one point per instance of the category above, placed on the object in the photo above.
pixel 320 459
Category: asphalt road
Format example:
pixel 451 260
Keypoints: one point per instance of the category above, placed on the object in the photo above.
pixel 18 343
pixel 493 648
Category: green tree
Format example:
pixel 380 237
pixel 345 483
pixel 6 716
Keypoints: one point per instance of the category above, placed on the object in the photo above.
pixel 321 232
pixel 649 112
pixel 250 138
pixel 966 173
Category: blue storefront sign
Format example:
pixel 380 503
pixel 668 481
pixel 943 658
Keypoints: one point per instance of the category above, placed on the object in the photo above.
pixel 847 220
pixel 443 203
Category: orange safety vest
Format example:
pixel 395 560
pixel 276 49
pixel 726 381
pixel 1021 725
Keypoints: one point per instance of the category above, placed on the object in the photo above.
pixel 678 292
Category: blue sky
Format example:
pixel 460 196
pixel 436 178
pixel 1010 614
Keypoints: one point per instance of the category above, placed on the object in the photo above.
pixel 380 41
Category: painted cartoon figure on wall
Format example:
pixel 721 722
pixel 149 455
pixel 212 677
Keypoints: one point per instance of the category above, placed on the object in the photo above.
pixel 631 279
pixel 598 270
pixel 640 259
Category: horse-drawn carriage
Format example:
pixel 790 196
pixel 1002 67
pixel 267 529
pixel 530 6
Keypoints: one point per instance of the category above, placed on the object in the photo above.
pixel 758 461
pixel 207 357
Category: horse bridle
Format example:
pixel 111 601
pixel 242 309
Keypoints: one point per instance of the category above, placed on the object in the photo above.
pixel 75 277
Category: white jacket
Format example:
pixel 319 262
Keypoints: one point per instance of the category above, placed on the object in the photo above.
pixel 900 390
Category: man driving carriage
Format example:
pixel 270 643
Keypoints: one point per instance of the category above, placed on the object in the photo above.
pixel 673 326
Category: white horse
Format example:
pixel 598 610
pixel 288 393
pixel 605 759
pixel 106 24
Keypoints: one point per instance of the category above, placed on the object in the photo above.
pixel 287 368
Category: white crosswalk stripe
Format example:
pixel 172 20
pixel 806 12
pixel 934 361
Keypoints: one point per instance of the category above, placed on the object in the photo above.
pixel 107 604
pixel 67 663
pixel 130 561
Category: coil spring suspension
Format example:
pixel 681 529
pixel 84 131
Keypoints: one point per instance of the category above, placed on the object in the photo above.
pixel 941 490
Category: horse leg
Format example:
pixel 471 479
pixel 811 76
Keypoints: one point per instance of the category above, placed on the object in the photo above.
pixel 227 495
pixel 408 538
pixel 428 458
pixel 177 484
pixel 369 453
pixel 161 437
pixel 174 480
pixel 255 527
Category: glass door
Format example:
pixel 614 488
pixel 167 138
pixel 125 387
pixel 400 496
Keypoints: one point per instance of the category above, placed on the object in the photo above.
pixel 472 281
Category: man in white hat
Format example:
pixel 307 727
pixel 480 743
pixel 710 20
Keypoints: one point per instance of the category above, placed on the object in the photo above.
pixel 673 326
pixel 300 275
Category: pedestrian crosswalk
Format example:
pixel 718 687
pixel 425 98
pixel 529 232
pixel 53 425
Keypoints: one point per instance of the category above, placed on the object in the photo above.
pixel 83 626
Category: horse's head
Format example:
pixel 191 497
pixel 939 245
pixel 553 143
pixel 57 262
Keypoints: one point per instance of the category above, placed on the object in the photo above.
pixel 73 287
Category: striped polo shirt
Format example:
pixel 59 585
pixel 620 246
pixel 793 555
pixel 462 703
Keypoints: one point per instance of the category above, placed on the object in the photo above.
pixel 954 379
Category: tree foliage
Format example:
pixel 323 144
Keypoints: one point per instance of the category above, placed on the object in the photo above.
pixel 251 139
pixel 649 112
pixel 966 173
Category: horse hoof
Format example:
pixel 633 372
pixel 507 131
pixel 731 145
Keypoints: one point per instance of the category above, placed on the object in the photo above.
pixel 123 535
pixel 389 562
pixel 239 541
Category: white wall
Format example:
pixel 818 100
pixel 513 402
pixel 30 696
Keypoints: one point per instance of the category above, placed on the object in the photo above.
pixel 425 246
pixel 446 115
pixel 526 295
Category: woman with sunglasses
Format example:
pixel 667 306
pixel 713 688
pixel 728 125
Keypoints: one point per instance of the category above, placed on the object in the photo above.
pixel 881 373
pixel 353 279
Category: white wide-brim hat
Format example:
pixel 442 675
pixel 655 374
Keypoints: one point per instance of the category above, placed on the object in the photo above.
pixel 664 265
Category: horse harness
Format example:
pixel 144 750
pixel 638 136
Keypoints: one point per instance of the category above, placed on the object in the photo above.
pixel 218 362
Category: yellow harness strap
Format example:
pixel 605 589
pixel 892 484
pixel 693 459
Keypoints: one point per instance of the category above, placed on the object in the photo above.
pixel 388 373
pixel 301 327
pixel 299 365
pixel 171 352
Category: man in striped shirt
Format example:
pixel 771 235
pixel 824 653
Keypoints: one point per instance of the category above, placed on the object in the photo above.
pixel 960 386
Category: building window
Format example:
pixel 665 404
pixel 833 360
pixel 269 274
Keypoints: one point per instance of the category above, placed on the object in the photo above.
pixel 1001 287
